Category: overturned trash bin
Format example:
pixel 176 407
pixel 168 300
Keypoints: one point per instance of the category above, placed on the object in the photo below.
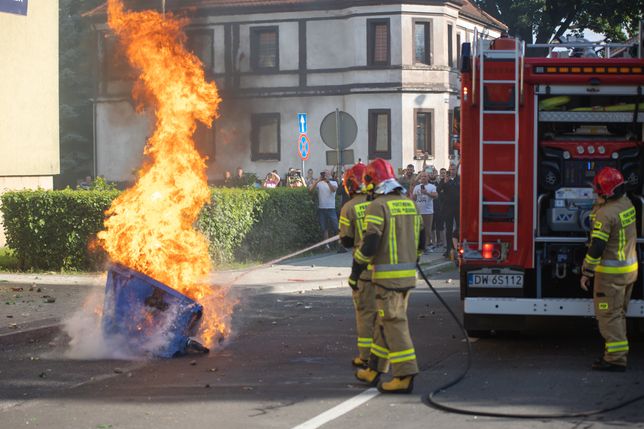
pixel 144 317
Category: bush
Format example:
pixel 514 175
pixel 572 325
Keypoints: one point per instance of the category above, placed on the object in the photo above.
pixel 52 230
pixel 286 222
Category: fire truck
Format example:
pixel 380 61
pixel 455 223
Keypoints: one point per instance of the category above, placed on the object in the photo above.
pixel 534 131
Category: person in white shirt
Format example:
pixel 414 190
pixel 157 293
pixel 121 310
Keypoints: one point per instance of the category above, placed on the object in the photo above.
pixel 424 194
pixel 327 214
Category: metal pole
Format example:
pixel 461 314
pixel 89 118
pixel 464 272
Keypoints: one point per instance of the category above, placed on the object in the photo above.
pixel 163 7
pixel 337 138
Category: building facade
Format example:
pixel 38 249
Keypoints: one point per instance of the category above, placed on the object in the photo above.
pixel 391 65
pixel 29 141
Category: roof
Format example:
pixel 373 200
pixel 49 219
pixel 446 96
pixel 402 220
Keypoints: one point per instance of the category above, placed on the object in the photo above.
pixel 471 10
pixel 222 7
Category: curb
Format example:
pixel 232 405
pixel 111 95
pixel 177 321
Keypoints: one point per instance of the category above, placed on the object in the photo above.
pixel 53 326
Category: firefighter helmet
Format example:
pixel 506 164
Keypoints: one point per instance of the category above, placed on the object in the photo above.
pixel 380 174
pixel 607 182
pixel 353 179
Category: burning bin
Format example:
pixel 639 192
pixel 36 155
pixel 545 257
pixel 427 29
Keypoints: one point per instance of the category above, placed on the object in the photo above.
pixel 146 317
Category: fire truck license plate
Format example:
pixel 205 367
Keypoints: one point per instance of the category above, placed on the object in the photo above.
pixel 512 279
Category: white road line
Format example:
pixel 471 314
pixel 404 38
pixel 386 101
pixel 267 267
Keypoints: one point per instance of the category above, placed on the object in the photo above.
pixel 339 410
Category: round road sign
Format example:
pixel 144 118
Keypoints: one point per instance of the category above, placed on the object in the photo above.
pixel 303 147
pixel 338 125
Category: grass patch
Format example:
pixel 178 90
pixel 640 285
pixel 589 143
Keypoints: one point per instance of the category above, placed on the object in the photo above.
pixel 8 261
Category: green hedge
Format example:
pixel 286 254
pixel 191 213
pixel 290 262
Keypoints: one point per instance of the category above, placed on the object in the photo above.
pixel 51 230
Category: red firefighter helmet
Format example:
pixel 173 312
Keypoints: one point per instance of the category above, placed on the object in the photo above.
pixel 353 179
pixel 380 174
pixel 378 171
pixel 607 181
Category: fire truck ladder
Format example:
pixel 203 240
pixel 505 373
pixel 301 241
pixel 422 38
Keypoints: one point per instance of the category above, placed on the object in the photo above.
pixel 485 53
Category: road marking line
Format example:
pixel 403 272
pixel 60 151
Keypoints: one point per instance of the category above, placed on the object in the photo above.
pixel 339 410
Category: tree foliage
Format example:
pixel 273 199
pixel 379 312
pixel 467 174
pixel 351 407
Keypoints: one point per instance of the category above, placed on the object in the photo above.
pixel 541 21
pixel 75 77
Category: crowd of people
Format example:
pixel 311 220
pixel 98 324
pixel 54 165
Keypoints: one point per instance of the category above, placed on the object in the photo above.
pixel 437 198
pixel 292 179
pixel 436 194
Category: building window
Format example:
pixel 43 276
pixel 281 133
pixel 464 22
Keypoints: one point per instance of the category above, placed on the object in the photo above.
pixel 450 47
pixel 378 42
pixel 422 43
pixel 115 64
pixel 264 48
pixel 201 43
pixel 458 50
pixel 423 122
pixel 379 133
pixel 265 136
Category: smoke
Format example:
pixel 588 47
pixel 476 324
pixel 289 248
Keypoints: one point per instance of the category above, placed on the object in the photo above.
pixel 84 329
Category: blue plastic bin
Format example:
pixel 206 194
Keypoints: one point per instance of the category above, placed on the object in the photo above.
pixel 144 317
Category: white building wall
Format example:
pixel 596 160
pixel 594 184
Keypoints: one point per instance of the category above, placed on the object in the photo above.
pixel 336 63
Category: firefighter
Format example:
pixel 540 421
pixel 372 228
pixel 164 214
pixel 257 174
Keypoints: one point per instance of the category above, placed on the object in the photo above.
pixel 612 261
pixel 351 228
pixel 391 244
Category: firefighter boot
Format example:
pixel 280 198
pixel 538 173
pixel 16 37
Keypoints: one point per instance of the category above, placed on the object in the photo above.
pixel 397 385
pixel 369 376
pixel 601 365
pixel 359 362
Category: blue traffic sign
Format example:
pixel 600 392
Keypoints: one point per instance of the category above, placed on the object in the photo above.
pixel 301 122
pixel 303 147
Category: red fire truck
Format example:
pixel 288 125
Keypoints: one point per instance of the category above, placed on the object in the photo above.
pixel 534 131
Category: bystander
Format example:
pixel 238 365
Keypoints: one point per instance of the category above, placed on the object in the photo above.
pixel 326 189
pixel 424 194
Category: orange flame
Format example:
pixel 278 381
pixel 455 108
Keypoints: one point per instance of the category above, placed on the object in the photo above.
pixel 150 226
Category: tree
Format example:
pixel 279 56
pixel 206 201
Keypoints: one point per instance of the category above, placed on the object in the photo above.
pixel 541 21
pixel 75 86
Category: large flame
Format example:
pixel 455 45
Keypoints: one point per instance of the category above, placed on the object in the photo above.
pixel 150 226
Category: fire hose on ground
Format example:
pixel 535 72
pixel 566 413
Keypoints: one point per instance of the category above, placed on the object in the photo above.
pixel 430 399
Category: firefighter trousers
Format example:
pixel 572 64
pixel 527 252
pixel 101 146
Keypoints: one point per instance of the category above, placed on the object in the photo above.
pixel 611 304
pixel 364 301
pixel 392 343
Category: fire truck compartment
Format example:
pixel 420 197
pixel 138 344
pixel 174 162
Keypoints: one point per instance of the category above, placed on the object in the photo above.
pixel 534 133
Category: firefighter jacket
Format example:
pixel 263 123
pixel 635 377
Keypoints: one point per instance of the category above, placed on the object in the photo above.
pixel 393 226
pixel 352 224
pixel 614 224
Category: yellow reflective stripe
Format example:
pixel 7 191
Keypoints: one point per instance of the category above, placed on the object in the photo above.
pixel 344 221
pixel 599 234
pixel 401 274
pixel 365 343
pixel 417 223
pixel 616 270
pixel 627 217
pixel 405 356
pixel 619 346
pixel 621 256
pixel 393 245
pixel 374 219
pixel 359 228
pixel 592 261
pixel 404 352
pixel 381 352
pixel 358 256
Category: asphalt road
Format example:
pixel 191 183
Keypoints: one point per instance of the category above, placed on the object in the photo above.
pixel 288 361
